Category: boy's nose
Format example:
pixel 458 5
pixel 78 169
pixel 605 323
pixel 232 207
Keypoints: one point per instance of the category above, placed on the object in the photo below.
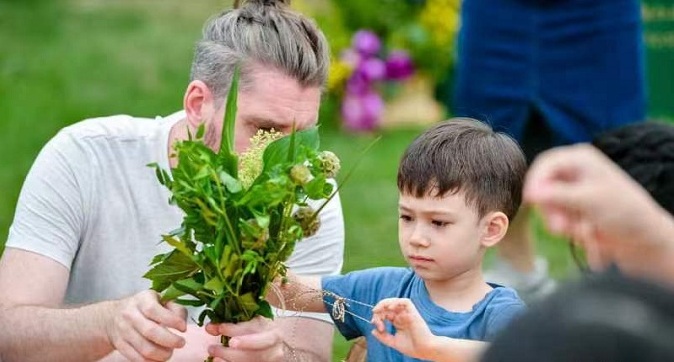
pixel 418 238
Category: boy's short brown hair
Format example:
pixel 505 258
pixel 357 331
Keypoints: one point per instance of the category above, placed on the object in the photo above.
pixel 463 154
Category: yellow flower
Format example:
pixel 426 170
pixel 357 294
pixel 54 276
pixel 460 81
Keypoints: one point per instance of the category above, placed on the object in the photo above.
pixel 339 72
pixel 250 162
pixel 441 19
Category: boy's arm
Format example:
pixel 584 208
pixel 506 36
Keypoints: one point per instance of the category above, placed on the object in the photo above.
pixel 298 293
pixel 415 339
pixel 445 349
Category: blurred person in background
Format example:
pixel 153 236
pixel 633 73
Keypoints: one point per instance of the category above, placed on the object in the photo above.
pixel 548 73
pixel 91 212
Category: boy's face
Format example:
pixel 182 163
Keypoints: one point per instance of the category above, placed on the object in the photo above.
pixel 440 237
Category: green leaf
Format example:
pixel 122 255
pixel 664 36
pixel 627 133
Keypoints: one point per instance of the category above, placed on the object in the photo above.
pixel 227 137
pixel 215 285
pixel 211 254
pixel 226 253
pixel 316 187
pixel 201 131
pixel 265 310
pixel 262 219
pixel 202 316
pixel 190 302
pixel 249 303
pixel 178 244
pixel 227 154
pixel 189 286
pixel 216 301
pixel 158 258
pixel 292 148
pixel 277 152
pixel 171 293
pixel 233 185
pixel 174 267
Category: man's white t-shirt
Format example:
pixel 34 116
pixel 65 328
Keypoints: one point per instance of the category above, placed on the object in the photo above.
pixel 91 203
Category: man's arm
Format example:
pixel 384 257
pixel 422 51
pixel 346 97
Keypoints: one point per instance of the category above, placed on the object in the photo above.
pixel 34 287
pixel 306 339
pixel 297 293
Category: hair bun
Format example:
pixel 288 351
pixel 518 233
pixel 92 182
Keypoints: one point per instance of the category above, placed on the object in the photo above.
pixel 240 3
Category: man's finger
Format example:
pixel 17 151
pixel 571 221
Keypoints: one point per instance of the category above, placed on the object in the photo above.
pixel 258 341
pixel 128 352
pixel 237 355
pixel 256 325
pixel 178 310
pixel 157 333
pixel 146 348
pixel 164 316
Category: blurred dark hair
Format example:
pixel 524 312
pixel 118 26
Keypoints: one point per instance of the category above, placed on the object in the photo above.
pixel 646 152
pixel 602 318
pixel 463 154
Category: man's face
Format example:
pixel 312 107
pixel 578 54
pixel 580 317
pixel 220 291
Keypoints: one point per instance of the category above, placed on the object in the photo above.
pixel 272 100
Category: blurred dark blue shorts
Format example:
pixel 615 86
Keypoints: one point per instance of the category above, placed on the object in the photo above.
pixel 551 72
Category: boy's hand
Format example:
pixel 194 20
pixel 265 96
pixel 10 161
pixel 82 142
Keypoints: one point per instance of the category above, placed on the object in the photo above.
pixel 413 337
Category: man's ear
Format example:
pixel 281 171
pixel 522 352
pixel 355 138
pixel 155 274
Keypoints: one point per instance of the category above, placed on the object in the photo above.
pixel 199 103
pixel 495 226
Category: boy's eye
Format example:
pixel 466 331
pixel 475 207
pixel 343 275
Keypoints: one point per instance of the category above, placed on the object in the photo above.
pixel 405 218
pixel 440 223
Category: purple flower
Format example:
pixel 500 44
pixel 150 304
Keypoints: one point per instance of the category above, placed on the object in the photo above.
pixel 399 65
pixel 366 42
pixel 362 112
pixel 351 57
pixel 372 69
pixel 358 84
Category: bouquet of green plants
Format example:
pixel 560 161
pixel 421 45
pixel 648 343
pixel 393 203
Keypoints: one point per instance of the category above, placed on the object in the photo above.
pixel 243 215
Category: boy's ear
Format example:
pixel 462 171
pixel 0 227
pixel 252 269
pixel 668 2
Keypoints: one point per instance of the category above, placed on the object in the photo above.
pixel 495 227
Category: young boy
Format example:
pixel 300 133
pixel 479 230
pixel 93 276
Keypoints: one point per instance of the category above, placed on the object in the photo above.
pixel 460 183
pixel 643 151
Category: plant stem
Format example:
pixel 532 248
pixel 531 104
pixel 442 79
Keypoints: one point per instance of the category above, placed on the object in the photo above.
pixel 224 340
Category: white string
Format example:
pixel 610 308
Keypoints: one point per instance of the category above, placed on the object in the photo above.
pixel 339 308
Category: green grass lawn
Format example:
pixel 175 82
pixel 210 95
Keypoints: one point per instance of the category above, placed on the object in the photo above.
pixel 62 62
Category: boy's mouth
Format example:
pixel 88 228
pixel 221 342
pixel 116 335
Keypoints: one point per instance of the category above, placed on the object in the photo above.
pixel 419 258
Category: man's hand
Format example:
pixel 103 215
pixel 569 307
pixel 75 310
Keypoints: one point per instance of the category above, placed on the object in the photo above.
pixel 140 327
pixel 412 333
pixel 255 340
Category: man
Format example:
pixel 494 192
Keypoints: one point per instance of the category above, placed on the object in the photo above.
pixel 90 212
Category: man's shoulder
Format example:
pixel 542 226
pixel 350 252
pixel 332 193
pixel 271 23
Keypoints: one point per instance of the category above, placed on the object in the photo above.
pixel 116 126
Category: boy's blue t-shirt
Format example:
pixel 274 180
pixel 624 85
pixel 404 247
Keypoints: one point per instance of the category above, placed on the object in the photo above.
pixel 370 286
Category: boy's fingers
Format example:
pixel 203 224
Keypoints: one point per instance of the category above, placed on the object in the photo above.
pixel 383 337
pixel 378 323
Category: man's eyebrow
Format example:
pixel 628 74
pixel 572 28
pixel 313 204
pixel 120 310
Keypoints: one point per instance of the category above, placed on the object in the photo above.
pixel 266 123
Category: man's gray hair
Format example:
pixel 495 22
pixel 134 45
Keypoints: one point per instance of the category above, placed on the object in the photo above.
pixel 260 32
